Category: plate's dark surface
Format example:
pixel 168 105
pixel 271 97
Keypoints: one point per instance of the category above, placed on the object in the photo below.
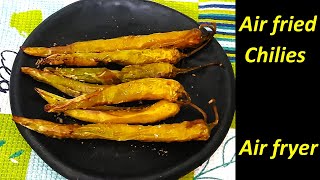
pixel 102 159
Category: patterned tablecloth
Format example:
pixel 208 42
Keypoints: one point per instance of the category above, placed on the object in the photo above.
pixel 19 18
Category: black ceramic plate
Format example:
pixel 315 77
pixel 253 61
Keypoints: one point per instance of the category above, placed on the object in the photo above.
pixel 102 159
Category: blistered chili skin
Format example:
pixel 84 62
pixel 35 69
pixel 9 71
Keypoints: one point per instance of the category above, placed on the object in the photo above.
pixel 174 39
pixel 128 73
pixel 47 128
pixel 123 57
pixel 196 130
pixel 178 132
pixel 156 70
pixel 142 89
pixel 157 112
pixel 69 86
pixel 89 75
pixel 77 59
pixel 145 56
pixel 53 98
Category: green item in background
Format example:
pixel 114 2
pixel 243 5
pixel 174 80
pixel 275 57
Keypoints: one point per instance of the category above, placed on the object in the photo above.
pixel 25 22
pixel 14 150
pixel 188 8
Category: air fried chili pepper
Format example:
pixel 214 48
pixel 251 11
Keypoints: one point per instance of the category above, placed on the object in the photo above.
pixel 53 98
pixel 124 57
pixel 128 73
pixel 175 39
pixel 69 86
pixel 178 132
pixel 142 89
pixel 159 111
pixel 156 70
